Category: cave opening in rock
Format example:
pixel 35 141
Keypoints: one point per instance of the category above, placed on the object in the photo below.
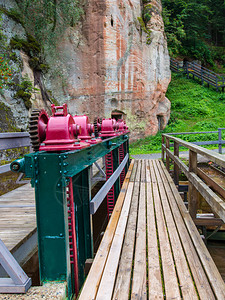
pixel 160 122
pixel 118 114
pixel 111 21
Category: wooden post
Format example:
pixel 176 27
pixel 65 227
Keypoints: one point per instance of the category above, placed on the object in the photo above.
pixel 192 192
pixel 163 152
pixel 220 139
pixel 176 168
pixel 202 76
pixel 167 156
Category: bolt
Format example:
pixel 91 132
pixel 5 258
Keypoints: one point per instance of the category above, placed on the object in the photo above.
pixel 65 172
pixel 58 184
pixel 15 167
pixel 65 156
pixel 59 156
pixel 65 164
pixel 36 181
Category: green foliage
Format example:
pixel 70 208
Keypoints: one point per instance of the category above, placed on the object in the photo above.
pixel 47 20
pixel 146 30
pixel 24 92
pixel 30 46
pixel 6 70
pixel 193 27
pixel 193 108
pixel 13 14
pixel 33 49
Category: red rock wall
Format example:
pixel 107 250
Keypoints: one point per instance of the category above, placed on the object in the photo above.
pixel 112 67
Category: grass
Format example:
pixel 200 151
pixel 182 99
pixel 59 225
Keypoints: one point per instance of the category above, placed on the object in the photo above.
pixel 193 108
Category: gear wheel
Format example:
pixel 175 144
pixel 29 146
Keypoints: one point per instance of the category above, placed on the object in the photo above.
pixel 96 129
pixel 37 125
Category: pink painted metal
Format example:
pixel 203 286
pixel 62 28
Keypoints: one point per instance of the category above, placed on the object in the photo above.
pixel 87 130
pixel 72 235
pixel 111 193
pixel 122 126
pixel 62 132
pixel 121 157
pixel 109 128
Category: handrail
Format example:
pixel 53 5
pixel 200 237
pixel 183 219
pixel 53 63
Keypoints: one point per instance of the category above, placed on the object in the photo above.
pixel 204 74
pixel 215 157
pixel 196 184
pixel 218 142
pixel 12 140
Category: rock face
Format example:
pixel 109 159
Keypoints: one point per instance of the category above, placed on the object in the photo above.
pixel 111 61
pixel 111 64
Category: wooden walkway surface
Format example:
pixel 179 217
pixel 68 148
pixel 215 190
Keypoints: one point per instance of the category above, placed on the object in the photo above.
pixel 17 216
pixel 151 248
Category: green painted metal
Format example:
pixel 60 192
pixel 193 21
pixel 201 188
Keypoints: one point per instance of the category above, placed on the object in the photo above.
pixel 82 197
pixel 50 173
pixel 52 218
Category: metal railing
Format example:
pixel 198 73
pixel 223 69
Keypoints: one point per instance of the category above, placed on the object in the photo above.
pixel 200 72
pixel 12 140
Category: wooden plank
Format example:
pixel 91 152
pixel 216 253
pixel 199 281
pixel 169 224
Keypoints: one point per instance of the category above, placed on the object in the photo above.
pixel 211 270
pixel 105 289
pixel 138 289
pixel 176 168
pixel 192 192
pixel 216 203
pixel 154 271
pixel 148 177
pixel 138 173
pixel 185 279
pixel 169 273
pixel 92 282
pixel 134 170
pixel 143 170
pixel 211 183
pixel 167 157
pixel 122 286
pixel 213 156
pixel 17 217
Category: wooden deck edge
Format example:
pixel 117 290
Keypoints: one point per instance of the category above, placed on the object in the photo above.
pixel 93 279
pixel 207 262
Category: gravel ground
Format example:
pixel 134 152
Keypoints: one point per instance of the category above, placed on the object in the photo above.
pixel 49 291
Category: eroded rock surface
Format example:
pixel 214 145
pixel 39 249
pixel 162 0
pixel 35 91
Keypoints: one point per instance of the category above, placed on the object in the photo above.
pixel 109 65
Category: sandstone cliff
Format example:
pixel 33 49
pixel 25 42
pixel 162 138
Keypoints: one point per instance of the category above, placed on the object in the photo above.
pixel 114 59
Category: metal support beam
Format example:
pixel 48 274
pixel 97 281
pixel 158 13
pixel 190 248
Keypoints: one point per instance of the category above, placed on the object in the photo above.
pixel 100 196
pixel 18 281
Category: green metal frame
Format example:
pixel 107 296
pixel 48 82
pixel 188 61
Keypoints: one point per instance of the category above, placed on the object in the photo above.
pixel 50 173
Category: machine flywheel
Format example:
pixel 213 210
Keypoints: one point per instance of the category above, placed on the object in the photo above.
pixel 37 127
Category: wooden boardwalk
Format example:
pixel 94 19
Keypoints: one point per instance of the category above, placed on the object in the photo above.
pixel 151 248
pixel 17 217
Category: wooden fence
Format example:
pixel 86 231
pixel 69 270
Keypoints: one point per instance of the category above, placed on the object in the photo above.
pixel 218 142
pixel 193 174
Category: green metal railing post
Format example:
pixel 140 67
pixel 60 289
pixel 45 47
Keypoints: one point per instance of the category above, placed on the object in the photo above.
pixel 52 219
